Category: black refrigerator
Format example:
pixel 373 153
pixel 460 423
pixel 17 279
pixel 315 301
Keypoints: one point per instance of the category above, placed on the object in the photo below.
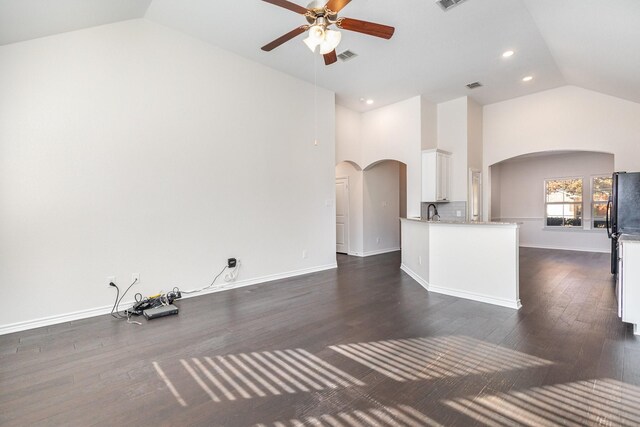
pixel 623 211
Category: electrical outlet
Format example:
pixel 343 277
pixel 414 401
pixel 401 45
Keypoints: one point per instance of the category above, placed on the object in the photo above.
pixel 420 259
pixel 458 213
pixel 135 277
pixel 112 279
pixel 304 253
pixel 377 240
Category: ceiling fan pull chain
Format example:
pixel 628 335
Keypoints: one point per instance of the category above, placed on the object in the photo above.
pixel 315 98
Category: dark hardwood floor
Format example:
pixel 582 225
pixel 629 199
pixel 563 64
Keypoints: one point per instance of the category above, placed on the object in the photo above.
pixel 363 345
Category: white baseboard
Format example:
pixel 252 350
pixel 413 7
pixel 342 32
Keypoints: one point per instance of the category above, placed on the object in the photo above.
pixel 516 305
pixel 263 279
pixel 371 253
pixel 53 320
pixel 557 248
pixel 415 276
pixel 99 311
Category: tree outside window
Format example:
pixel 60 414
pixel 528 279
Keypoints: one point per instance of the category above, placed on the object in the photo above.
pixel 563 202
pixel 600 191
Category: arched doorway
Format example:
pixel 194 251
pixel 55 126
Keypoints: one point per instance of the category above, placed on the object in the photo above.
pixel 550 193
pixel 375 198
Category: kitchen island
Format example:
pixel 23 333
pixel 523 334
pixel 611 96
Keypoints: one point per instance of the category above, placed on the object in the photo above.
pixel 472 260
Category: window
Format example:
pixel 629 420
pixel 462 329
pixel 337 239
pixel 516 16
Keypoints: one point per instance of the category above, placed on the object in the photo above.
pixel 600 192
pixel 563 202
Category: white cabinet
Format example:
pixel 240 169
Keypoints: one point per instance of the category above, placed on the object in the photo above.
pixel 628 285
pixel 436 176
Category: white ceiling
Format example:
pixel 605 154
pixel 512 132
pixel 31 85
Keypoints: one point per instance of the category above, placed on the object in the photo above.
pixel 22 20
pixel 590 43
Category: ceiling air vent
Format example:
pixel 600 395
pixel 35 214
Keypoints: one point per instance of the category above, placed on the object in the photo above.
pixel 474 85
pixel 347 55
pixel 448 4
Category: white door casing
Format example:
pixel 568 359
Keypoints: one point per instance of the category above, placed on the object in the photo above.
pixel 475 195
pixel 342 215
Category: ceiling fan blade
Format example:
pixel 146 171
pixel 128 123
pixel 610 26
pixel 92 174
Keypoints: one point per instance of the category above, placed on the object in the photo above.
pixel 370 28
pixel 285 38
pixel 288 5
pixel 336 5
pixel 330 58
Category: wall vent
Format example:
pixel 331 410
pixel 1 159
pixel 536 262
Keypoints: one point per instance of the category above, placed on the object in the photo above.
pixel 474 85
pixel 448 4
pixel 347 55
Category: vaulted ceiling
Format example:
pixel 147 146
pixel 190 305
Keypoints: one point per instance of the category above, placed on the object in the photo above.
pixel 589 43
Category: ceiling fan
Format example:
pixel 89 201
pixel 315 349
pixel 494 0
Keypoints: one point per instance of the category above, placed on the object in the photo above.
pixel 320 18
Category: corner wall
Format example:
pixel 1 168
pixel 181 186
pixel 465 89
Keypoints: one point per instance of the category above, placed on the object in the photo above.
pixel 131 148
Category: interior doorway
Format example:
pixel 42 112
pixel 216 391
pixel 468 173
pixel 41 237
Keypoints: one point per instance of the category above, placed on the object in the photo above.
pixel 369 203
pixel 342 215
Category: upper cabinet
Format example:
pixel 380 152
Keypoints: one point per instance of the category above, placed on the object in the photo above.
pixel 436 176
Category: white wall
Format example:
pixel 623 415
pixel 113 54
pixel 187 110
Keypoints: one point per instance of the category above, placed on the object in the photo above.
pixel 356 209
pixel 567 118
pixel 429 116
pixel 474 135
pixel 452 137
pixel 393 132
pixel 349 136
pixel 132 148
pixel 381 204
pixel 521 198
pixel 388 133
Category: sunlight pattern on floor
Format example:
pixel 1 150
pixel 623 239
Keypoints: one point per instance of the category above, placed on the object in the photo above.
pixel 248 375
pixel 169 384
pixel 383 416
pixel 594 402
pixel 428 358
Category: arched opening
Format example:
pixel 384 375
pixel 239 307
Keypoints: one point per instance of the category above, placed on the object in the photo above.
pixel 369 202
pixel 558 197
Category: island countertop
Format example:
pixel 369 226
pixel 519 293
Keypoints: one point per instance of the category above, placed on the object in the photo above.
pixel 629 238
pixel 490 223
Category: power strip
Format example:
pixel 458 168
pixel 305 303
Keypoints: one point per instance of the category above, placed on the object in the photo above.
pixel 162 311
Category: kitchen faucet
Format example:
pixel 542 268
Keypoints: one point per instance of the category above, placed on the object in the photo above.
pixel 435 213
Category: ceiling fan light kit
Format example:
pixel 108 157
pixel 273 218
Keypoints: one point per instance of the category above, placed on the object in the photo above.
pixel 331 41
pixel 328 40
pixel 319 19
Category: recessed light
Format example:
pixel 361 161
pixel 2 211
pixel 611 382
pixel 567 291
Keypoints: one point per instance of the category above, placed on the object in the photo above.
pixel 508 54
pixel 527 79
pixel 369 101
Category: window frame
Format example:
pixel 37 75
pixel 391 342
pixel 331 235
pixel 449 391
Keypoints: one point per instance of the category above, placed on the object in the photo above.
pixel 580 203
pixel 592 203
